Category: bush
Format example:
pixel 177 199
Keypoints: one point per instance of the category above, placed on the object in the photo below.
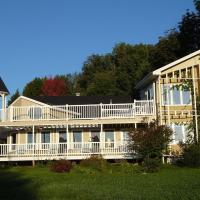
pixel 151 164
pixel 191 155
pixel 61 166
pixel 148 143
pixel 123 166
pixel 95 162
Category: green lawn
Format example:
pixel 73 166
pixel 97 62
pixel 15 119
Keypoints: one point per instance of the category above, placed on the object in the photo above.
pixel 40 183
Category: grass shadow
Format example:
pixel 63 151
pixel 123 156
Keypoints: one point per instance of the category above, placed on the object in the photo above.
pixel 14 186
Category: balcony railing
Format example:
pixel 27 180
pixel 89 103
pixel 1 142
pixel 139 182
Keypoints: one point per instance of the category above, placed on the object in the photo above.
pixel 68 112
pixel 57 150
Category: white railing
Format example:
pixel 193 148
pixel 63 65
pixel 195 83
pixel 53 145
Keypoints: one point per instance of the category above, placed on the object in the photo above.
pixel 144 107
pixel 67 112
pixel 62 149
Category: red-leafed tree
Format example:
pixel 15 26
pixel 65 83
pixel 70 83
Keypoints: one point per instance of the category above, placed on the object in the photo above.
pixel 54 87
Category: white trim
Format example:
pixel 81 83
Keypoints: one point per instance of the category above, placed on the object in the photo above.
pixel 29 99
pixel 153 75
pixel 158 71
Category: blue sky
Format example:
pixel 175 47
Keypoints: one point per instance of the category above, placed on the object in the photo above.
pixel 48 37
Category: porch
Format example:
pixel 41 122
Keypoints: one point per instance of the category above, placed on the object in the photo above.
pixel 69 151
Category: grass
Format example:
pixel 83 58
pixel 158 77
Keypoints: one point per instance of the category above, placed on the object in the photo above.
pixel 83 183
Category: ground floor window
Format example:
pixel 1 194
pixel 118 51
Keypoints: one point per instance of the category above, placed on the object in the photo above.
pixel 109 139
pixel 62 136
pixel 77 136
pixel 30 138
pixel 180 132
pixel 45 137
pixel 125 136
pixel 95 136
pixel 109 136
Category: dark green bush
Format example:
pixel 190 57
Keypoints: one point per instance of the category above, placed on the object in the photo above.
pixel 152 164
pixel 61 166
pixel 95 162
pixel 191 155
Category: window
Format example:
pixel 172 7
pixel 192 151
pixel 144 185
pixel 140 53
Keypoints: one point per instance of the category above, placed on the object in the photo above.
pixel 45 137
pixel 172 95
pixel 30 138
pixel 109 136
pixel 166 95
pixel 77 136
pixel 62 136
pixel 125 136
pixel 95 136
pixel 186 97
pixel 178 133
pixel 176 96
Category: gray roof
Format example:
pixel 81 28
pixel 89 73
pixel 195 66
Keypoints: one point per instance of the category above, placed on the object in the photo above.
pixel 3 87
pixel 82 100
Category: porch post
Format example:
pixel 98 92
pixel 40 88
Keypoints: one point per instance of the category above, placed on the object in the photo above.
pixel 101 137
pixel 135 125
pixel 10 142
pixel 168 99
pixel 154 99
pixel 67 132
pixel 195 104
pixel 3 107
pixel 160 101
pixel 33 141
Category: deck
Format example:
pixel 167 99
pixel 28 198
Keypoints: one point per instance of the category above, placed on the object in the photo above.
pixel 77 114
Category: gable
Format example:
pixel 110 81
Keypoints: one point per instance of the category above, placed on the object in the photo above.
pixel 25 101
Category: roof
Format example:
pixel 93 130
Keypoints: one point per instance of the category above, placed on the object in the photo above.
pixel 151 76
pixel 3 87
pixel 82 100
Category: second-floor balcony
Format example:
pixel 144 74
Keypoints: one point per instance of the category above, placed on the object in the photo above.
pixel 78 112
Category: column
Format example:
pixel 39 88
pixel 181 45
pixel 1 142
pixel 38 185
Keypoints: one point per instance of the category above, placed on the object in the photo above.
pixel 102 137
pixel 33 143
pixel 68 142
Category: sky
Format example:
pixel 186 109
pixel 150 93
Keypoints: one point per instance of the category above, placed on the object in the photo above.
pixel 48 37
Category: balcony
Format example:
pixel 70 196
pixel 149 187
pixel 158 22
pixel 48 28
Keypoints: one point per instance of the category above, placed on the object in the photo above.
pixel 77 112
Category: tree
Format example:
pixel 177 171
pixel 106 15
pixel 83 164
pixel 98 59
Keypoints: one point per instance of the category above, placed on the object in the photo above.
pixel 54 87
pixel 189 32
pixel 197 5
pixel 14 97
pixel 115 73
pixel 166 50
pixel 71 81
pixel 131 65
pixel 94 65
pixel 33 88
pixel 104 84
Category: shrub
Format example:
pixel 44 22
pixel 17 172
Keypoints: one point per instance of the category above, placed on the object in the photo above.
pixel 151 164
pixel 61 166
pixel 191 155
pixel 95 162
pixel 148 143
pixel 126 167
